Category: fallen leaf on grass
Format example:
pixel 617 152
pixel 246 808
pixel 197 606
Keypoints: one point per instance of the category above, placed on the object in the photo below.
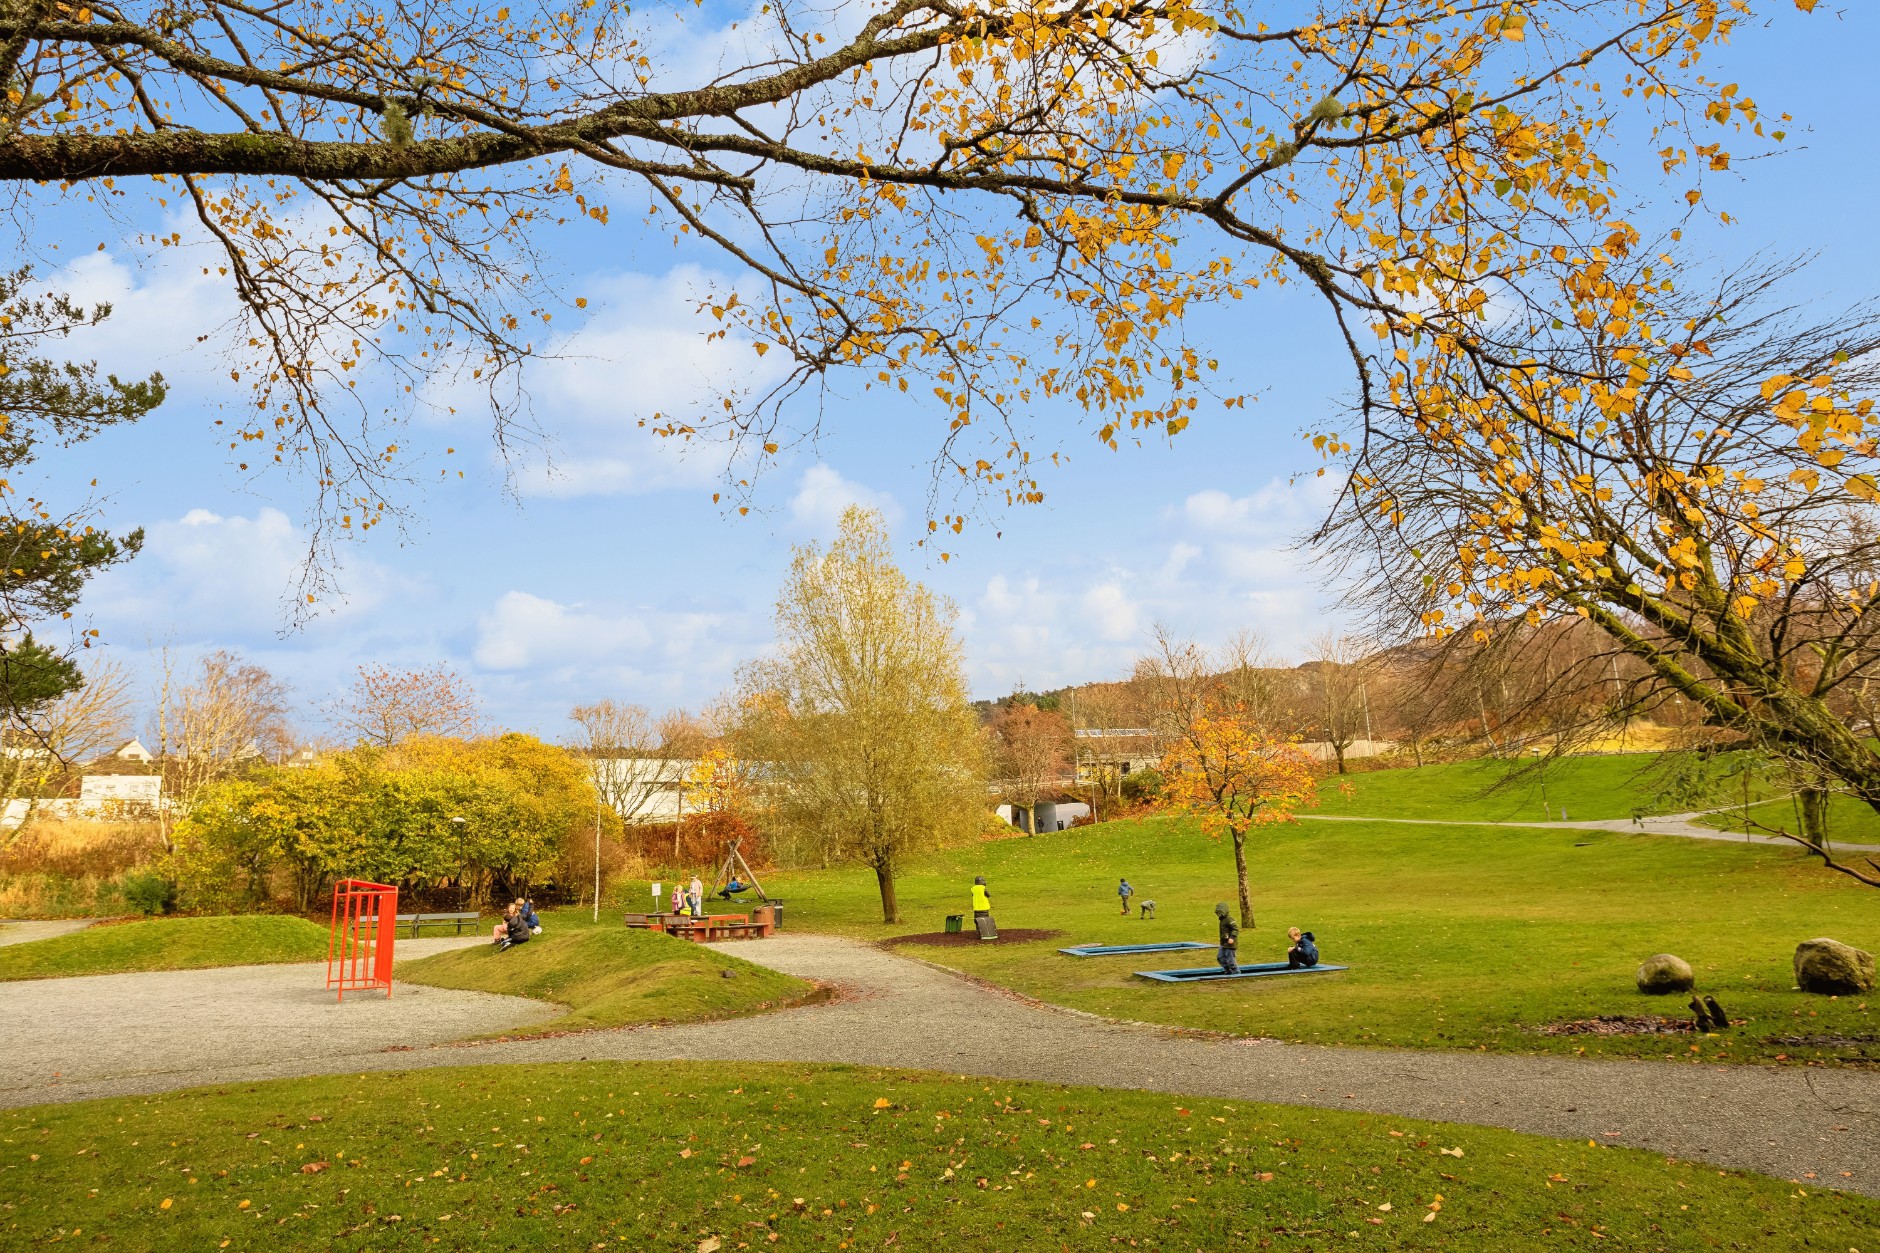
pixel 1385 1207
pixel 1265 1176
pixel 166 1203
pixel 685 1152
pixel 313 1168
pixel 746 1161
pixel 708 1245
pixel 882 1102
pixel 1456 1152
pixel 1430 1217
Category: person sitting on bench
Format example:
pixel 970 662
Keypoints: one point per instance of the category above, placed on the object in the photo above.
pixel 1230 940
pixel 1304 951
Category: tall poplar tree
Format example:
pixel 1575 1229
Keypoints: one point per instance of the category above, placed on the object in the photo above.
pixel 871 751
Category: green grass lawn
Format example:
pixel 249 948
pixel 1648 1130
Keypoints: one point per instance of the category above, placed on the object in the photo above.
pixel 167 944
pixel 1849 820
pixel 609 976
pixel 694 1157
pixel 1590 788
pixel 1457 937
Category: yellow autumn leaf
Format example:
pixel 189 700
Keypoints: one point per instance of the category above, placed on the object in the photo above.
pixel 882 1102
pixel 1864 487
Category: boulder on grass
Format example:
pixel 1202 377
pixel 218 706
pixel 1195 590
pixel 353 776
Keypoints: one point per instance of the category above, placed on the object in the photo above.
pixel 1663 974
pixel 1831 968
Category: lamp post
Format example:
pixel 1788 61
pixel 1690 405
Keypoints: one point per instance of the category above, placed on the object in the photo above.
pixel 1540 764
pixel 458 823
pixel 597 839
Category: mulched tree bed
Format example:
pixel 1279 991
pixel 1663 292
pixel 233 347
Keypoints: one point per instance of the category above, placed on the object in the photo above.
pixel 946 939
pixel 1620 1024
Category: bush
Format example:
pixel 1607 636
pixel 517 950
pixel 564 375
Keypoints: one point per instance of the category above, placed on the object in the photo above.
pixel 1142 786
pixel 150 893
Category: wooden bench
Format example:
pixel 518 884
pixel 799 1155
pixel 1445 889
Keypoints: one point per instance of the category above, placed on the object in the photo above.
pixel 417 922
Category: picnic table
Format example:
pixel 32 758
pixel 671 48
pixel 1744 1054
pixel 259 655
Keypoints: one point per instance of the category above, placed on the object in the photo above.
pixel 709 928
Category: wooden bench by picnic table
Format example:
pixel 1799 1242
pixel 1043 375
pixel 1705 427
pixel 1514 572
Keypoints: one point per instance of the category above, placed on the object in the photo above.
pixel 417 922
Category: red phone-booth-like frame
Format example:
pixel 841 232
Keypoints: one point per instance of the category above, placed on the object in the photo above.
pixel 365 922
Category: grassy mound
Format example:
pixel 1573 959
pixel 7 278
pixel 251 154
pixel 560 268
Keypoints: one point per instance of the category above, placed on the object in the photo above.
pixel 692 1156
pixel 1457 937
pixel 167 944
pixel 612 977
pixel 1591 788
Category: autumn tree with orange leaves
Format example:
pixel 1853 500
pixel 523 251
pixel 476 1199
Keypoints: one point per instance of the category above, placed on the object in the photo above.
pixel 1004 206
pixel 387 704
pixel 1236 776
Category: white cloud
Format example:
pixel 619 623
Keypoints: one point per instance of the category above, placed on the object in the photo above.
pixel 523 632
pixel 644 352
pixel 228 576
pixel 160 313
pixel 1110 610
pixel 822 494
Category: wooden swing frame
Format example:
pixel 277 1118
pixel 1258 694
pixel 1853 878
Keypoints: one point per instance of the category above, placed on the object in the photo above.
pixel 734 860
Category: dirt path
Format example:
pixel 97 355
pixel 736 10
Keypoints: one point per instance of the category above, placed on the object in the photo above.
pixel 25 931
pixel 1784 1122
pixel 1663 824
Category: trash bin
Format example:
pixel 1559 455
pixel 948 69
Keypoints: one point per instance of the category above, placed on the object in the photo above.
pixel 956 923
pixel 776 911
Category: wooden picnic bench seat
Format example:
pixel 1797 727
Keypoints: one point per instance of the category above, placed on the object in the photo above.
pixel 417 922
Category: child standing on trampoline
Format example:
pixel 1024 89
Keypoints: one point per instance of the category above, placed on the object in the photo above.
pixel 1230 941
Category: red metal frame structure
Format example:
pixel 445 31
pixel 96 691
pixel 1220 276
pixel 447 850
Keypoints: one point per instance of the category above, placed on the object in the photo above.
pixel 359 951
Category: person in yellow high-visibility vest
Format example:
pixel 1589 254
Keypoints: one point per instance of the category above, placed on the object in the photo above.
pixel 982 910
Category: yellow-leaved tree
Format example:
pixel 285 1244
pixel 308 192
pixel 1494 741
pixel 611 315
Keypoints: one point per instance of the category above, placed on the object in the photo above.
pixel 1236 776
pixel 870 749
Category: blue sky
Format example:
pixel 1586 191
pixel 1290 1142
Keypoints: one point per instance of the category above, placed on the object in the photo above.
pixel 619 577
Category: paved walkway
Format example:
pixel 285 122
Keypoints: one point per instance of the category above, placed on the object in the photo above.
pixel 1683 825
pixel 22 932
pixel 899 1012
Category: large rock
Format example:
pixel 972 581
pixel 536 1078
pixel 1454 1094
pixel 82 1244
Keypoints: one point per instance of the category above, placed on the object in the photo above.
pixel 1663 974
pixel 1832 968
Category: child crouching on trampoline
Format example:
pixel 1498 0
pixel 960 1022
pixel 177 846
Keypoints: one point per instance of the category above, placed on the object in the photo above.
pixel 1304 952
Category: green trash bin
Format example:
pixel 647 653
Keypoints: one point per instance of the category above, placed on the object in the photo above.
pixel 956 923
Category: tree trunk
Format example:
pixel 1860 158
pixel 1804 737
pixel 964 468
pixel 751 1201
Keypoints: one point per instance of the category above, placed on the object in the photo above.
pixel 1240 879
pixel 1814 809
pixel 1416 746
pixel 884 879
pixel 1338 750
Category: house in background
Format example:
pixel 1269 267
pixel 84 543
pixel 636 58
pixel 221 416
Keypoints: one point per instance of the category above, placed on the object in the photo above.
pixel 130 750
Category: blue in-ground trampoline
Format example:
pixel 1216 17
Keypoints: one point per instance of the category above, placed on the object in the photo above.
pixel 1112 950
pixel 1204 974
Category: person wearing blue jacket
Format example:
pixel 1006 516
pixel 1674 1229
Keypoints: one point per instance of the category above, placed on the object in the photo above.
pixel 1125 891
pixel 1304 951
pixel 527 910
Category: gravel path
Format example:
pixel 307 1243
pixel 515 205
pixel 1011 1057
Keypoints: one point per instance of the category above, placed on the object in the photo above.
pixel 1663 824
pixel 899 1012
pixel 26 930
pixel 176 1028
